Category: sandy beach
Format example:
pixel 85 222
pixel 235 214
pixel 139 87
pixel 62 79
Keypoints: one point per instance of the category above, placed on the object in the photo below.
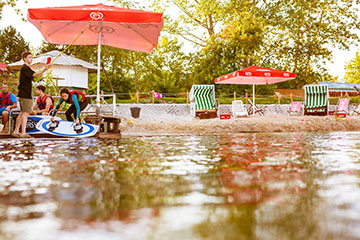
pixel 241 125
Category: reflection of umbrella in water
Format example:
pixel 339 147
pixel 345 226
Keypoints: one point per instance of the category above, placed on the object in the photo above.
pixel 251 161
pixel 256 76
pixel 113 26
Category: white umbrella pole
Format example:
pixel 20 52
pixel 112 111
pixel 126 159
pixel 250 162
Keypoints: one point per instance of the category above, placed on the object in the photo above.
pixel 253 97
pixel 98 71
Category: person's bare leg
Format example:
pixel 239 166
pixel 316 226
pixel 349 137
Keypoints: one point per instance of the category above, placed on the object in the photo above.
pixel 4 118
pixel 18 123
pixel 24 121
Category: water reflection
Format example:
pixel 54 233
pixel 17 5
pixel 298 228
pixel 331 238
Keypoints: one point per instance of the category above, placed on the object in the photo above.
pixel 244 186
pixel 262 168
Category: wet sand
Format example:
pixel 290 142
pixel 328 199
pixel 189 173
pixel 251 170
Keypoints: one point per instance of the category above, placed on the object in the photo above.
pixel 241 125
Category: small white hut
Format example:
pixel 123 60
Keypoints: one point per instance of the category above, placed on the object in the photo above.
pixel 67 71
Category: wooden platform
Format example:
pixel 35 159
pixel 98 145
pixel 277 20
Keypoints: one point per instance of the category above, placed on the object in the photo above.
pixel 206 114
pixel 103 135
pixel 100 135
pixel 109 128
pixel 38 135
pixel 107 124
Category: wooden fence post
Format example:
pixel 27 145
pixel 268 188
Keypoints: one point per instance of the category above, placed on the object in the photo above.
pixel 187 97
pixel 279 97
pixel 137 97
pixel 246 96
pixel 291 97
pixel 114 104
pixel 153 97
pixel 101 93
pixel 234 95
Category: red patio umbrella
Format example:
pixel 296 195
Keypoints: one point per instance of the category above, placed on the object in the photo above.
pixel 256 76
pixel 113 26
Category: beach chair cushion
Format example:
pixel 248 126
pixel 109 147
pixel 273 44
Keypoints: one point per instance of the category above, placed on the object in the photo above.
pixel 295 107
pixel 343 105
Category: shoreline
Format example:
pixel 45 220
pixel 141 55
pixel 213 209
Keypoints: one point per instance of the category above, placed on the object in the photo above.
pixel 250 124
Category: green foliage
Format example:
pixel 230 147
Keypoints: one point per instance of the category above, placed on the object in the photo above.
pixel 51 84
pixel 165 70
pixel 225 36
pixel 302 33
pixel 236 46
pixel 12 79
pixel 162 70
pixel 12 44
pixel 13 4
pixel 352 74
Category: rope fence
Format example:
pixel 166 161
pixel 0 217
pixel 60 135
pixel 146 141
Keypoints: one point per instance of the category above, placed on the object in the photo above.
pixel 183 97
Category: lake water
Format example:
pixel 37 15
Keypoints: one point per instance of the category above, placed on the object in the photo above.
pixel 243 186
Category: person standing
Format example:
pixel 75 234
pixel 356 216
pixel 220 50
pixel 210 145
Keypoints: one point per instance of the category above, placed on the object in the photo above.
pixel 7 102
pixel 25 88
pixel 44 102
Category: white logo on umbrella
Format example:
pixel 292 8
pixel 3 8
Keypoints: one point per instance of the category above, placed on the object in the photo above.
pixel 248 73
pixel 286 75
pixel 267 74
pixel 96 15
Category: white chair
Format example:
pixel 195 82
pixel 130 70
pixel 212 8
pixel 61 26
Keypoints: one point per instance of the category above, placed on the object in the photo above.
pixel 238 109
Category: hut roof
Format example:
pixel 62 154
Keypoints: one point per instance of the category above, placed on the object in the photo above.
pixel 63 59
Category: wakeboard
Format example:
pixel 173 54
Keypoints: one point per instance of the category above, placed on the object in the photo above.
pixel 67 129
pixel 33 120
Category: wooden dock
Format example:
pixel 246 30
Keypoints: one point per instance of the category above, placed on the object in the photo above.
pixel 109 128
pixel 100 135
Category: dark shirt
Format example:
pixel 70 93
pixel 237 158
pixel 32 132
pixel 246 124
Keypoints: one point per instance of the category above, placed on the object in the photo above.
pixel 25 85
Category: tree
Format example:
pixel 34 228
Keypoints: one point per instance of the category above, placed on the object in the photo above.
pixel 166 69
pixel 235 47
pixel 303 33
pixel 352 74
pixel 13 4
pixel 296 36
pixel 163 69
pixel 12 44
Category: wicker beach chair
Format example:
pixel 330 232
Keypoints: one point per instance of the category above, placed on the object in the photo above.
pixel 238 109
pixel 316 100
pixel 202 101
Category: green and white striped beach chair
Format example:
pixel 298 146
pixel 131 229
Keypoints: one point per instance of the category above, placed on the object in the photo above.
pixel 316 100
pixel 202 101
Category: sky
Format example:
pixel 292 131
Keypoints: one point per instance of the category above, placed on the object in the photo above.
pixel 31 34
